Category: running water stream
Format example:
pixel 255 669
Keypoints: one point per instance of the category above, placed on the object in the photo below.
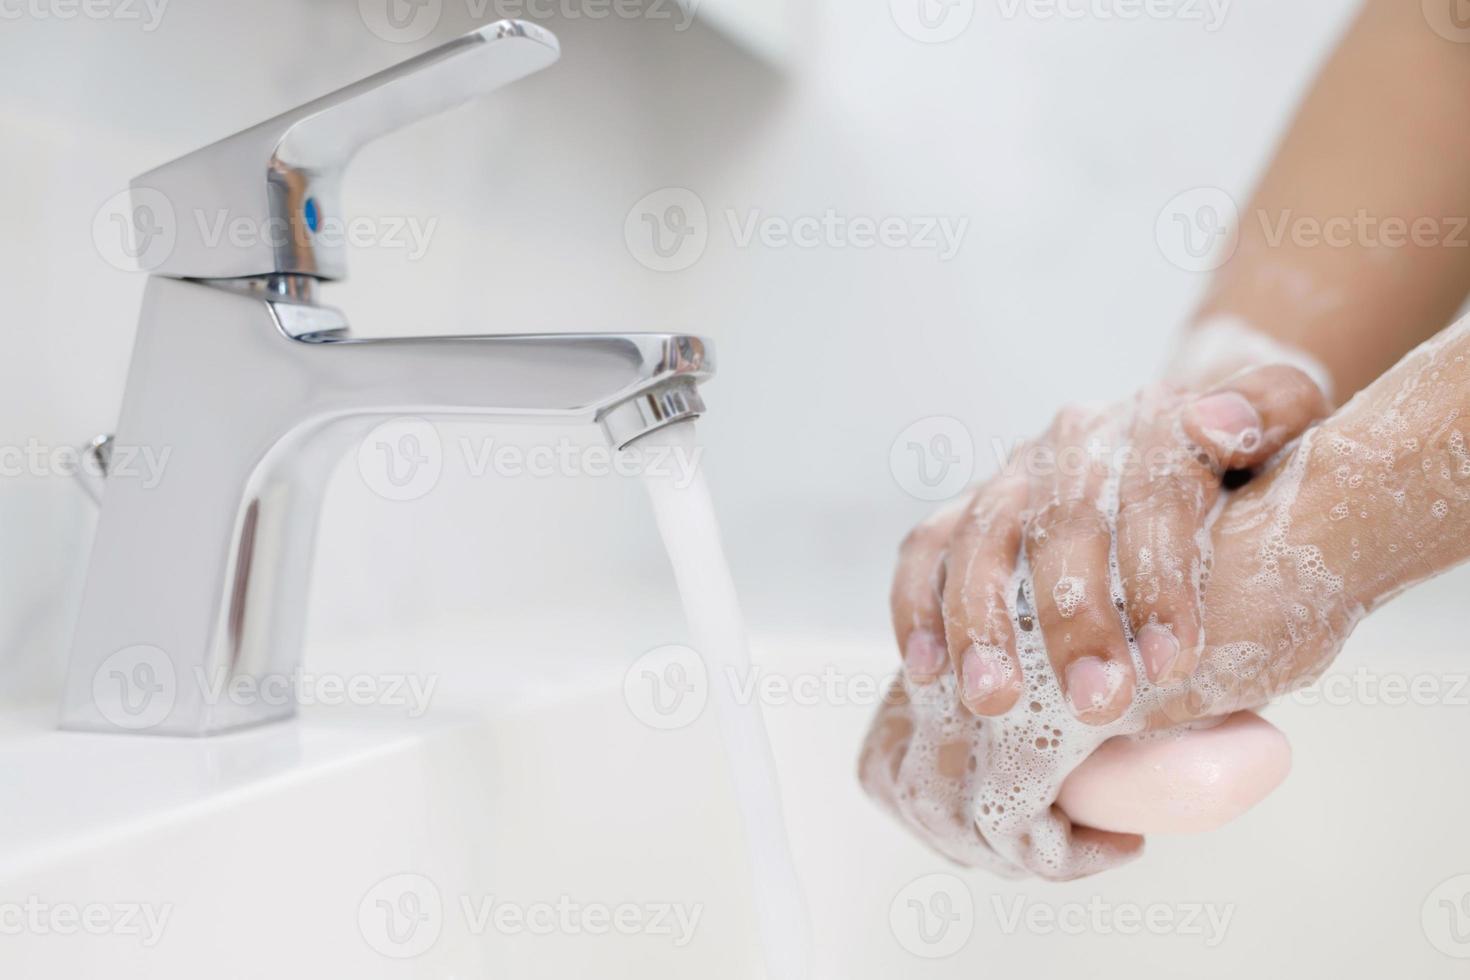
pixel 686 520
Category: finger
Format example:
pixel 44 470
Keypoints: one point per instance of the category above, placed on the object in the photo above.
pixel 914 599
pixel 1252 416
pixel 1164 494
pixel 978 577
pixel 1069 545
pixel 901 765
pixel 1056 849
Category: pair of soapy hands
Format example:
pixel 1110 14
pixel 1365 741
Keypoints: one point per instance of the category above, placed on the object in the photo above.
pixel 1118 516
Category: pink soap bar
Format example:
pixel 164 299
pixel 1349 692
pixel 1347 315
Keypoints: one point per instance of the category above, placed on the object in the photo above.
pixel 1182 782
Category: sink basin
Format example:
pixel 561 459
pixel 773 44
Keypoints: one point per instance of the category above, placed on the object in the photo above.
pixel 529 824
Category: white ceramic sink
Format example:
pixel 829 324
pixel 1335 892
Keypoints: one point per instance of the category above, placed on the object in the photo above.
pixel 356 841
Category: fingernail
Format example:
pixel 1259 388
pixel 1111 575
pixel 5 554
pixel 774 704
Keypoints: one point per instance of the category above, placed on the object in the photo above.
pixel 924 656
pixel 983 671
pixel 1230 421
pixel 1092 686
pixel 1159 650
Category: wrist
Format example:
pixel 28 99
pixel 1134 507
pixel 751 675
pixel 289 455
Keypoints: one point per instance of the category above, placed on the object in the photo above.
pixel 1220 346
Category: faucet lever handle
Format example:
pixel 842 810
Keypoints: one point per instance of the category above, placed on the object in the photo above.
pixel 253 203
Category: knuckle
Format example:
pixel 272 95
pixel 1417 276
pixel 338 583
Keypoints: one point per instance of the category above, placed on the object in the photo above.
pixel 979 609
pixel 1066 518
pixel 1179 493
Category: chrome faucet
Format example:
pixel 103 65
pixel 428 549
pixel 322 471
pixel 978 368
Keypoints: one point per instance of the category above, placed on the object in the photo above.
pixel 255 392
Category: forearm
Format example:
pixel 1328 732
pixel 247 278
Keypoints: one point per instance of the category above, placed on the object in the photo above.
pixel 1354 247
pixel 1373 501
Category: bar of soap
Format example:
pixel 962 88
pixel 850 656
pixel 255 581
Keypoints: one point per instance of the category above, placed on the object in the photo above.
pixel 1178 782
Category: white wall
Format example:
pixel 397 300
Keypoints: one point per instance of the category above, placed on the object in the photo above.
pixel 1058 141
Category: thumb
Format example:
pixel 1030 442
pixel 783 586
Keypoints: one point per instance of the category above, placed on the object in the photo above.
pixel 1247 420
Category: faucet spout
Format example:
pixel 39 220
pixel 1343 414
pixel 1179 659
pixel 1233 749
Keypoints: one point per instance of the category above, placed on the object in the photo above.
pixel 198 581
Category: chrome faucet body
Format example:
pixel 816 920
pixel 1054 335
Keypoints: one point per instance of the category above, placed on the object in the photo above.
pixel 252 392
